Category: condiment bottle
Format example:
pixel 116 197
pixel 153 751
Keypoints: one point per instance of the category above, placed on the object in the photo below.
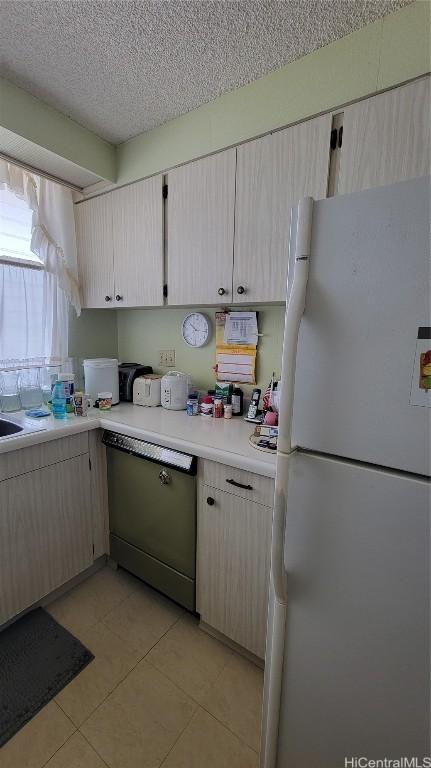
pixel 218 408
pixel 237 401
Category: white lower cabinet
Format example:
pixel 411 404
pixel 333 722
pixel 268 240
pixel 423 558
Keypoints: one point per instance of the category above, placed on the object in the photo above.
pixel 234 537
pixel 99 493
pixel 48 530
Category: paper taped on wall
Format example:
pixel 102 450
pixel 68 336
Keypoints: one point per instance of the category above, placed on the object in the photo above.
pixel 236 344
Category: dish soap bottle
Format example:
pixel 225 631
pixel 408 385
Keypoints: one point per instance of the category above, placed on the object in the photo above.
pixel 58 401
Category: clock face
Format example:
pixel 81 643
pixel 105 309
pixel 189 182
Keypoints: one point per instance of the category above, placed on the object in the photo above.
pixel 195 329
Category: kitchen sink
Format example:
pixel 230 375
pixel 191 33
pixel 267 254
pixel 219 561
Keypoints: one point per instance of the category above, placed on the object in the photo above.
pixel 9 428
pixel 17 426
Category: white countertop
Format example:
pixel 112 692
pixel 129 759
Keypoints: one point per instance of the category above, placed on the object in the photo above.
pixel 223 440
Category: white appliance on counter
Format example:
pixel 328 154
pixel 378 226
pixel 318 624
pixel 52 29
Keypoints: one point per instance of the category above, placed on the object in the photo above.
pixel 101 375
pixel 147 390
pixel 348 648
pixel 175 388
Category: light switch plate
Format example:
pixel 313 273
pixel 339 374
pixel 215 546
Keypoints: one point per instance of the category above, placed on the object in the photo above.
pixel 167 358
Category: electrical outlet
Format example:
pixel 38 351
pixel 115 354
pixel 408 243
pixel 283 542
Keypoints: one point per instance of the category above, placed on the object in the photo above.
pixel 167 358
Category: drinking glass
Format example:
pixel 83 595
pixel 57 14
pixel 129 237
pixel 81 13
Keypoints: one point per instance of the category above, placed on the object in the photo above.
pixel 9 397
pixel 48 377
pixel 30 391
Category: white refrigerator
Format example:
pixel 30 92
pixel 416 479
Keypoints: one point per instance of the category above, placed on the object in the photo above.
pixel 347 671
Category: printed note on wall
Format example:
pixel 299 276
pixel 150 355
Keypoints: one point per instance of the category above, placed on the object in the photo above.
pixel 236 344
pixel 420 393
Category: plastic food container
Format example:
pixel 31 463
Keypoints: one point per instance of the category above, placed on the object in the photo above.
pixel 101 375
pixel 105 401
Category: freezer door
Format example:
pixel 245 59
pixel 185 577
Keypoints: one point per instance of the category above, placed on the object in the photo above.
pixel 356 666
pixel 368 293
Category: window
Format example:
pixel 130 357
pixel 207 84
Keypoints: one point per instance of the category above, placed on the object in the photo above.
pixel 15 230
pixel 38 274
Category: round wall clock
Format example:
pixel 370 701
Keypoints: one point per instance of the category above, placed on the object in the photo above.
pixel 195 329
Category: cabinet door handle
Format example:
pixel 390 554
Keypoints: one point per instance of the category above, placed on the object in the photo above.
pixel 118 297
pixel 164 477
pixel 239 485
pixel 221 291
pixel 210 501
pixel 108 298
pixel 240 289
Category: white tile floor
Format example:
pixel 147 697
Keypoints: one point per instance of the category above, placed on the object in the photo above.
pixel 160 692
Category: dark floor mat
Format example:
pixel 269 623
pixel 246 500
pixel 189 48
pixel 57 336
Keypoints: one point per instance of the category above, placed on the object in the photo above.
pixel 38 657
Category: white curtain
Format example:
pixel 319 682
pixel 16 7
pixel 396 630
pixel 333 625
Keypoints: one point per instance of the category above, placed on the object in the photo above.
pixel 53 237
pixel 33 302
pixel 33 318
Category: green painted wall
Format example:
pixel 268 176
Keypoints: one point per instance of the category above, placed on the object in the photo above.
pixel 142 333
pixel 137 335
pixel 30 118
pixel 389 51
pixel 93 334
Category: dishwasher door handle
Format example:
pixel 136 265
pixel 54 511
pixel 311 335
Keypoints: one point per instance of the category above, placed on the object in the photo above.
pixel 164 477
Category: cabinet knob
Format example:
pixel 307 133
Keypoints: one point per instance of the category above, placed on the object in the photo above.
pixel 210 501
pixel 240 289
pixel 108 298
pixel 221 291
pixel 118 297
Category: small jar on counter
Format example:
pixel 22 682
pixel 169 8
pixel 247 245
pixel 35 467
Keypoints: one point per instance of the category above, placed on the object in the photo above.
pixel 207 406
pixel 192 405
pixel 67 383
pixel 218 408
pixel 228 411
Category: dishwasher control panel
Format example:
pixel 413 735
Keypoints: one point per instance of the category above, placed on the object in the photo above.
pixel 151 451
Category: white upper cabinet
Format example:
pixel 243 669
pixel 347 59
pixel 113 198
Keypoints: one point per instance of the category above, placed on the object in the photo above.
pixel 120 246
pixel 224 234
pixel 386 138
pixel 201 204
pixel 93 220
pixel 273 173
pixel 138 244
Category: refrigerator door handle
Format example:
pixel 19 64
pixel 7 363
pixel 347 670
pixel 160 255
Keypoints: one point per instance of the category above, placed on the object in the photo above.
pixel 294 312
pixel 278 577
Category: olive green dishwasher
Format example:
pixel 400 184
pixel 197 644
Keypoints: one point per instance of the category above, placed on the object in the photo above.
pixel 152 514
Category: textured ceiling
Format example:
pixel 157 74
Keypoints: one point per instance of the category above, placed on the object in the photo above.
pixel 120 67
